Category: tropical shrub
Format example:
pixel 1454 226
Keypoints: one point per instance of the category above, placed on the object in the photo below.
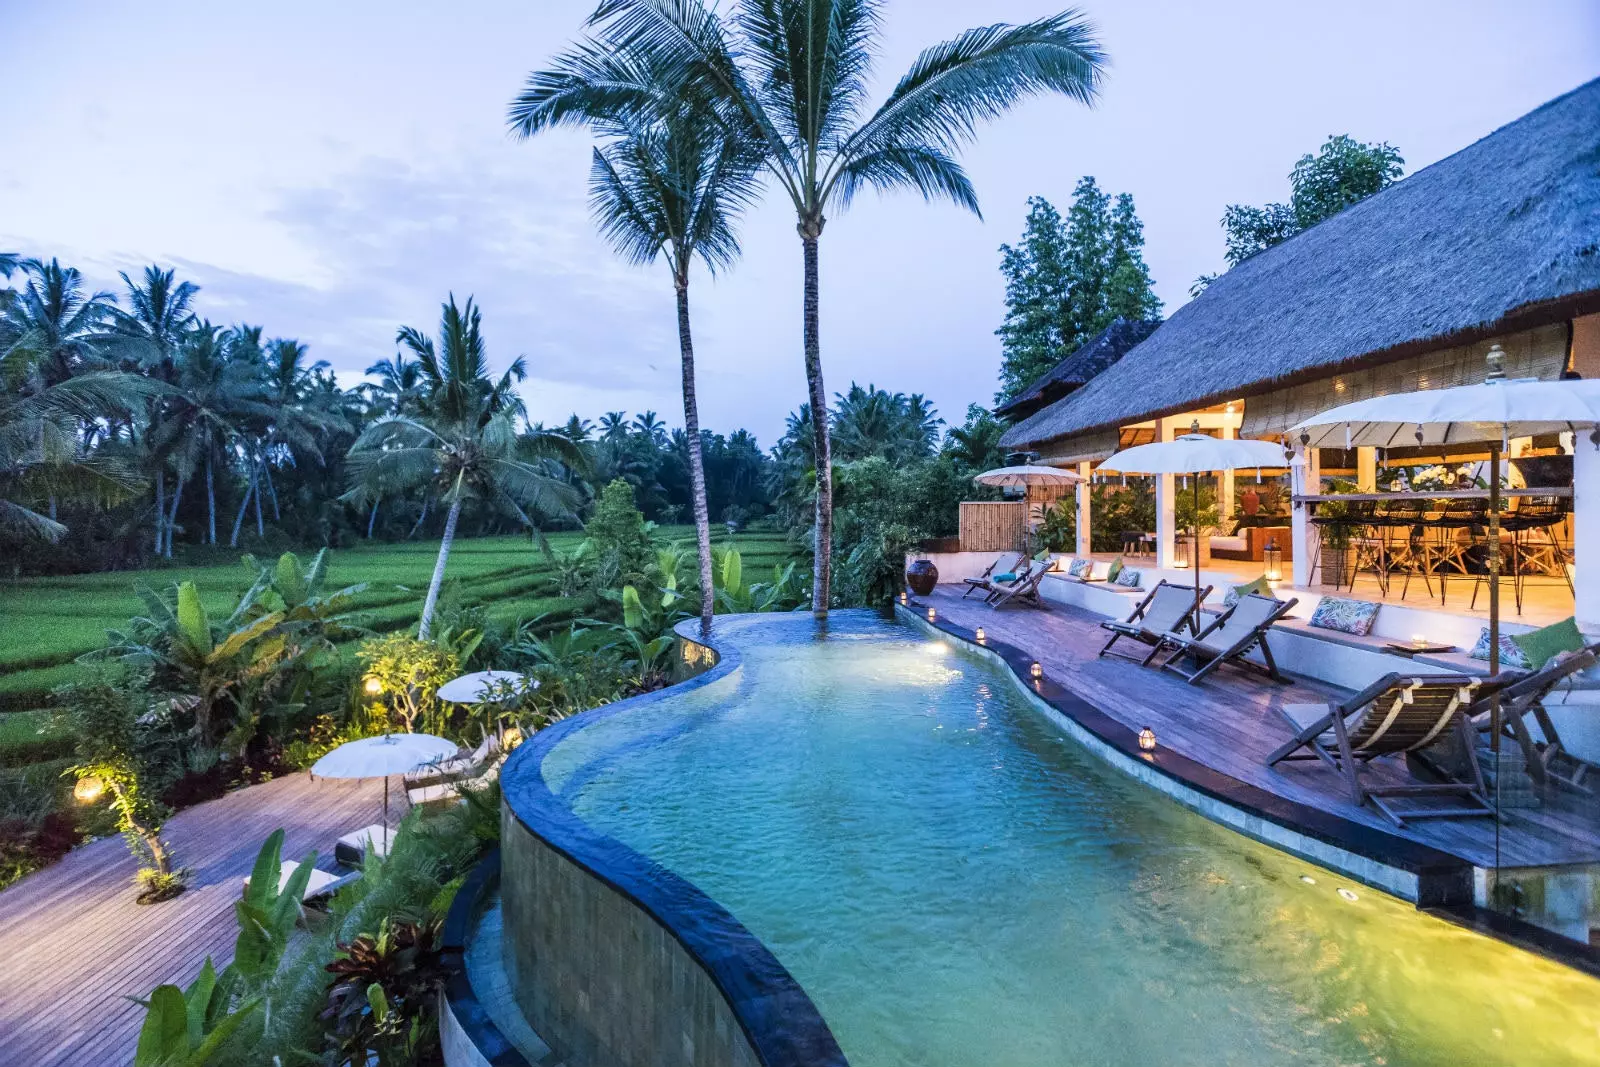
pixel 404 673
pixel 383 1000
pixel 113 759
pixel 617 531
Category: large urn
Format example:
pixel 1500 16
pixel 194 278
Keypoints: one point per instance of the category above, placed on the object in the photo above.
pixel 922 576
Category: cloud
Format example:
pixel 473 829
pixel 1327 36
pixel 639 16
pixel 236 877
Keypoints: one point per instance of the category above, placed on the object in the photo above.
pixel 389 240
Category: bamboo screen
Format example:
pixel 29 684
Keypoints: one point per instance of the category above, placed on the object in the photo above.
pixel 992 526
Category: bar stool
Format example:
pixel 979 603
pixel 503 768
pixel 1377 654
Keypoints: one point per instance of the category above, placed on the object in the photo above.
pixel 1533 540
pixel 1371 548
pixel 1449 550
pixel 1401 524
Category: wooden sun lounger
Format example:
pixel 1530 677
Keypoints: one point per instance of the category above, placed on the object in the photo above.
pixel 1523 698
pixel 1228 638
pixel 454 767
pixel 1025 590
pixel 1397 714
pixel 982 580
pixel 992 589
pixel 443 793
pixel 1168 608
pixel 320 886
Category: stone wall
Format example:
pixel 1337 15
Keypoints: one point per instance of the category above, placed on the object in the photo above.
pixel 601 978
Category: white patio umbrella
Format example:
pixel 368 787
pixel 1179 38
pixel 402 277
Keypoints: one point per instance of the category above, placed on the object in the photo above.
pixel 1492 412
pixel 373 757
pixel 1024 476
pixel 480 685
pixel 1196 453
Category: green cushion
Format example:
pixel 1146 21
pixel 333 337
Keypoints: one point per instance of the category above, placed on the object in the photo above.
pixel 1042 556
pixel 1546 643
pixel 1008 576
pixel 1114 570
pixel 1260 586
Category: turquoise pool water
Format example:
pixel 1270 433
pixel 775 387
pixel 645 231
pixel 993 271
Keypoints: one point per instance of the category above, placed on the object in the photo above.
pixel 956 883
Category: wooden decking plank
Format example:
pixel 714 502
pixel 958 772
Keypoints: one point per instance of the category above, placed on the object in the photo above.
pixel 73 943
pixel 1231 724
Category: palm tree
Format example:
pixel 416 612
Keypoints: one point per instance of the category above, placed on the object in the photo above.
pixel 614 426
pixel 673 188
pixel 463 444
pixel 790 77
pixel 147 338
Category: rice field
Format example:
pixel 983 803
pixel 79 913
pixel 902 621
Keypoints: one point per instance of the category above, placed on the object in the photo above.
pixel 49 622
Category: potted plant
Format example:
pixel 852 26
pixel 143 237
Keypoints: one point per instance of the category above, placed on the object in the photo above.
pixel 1338 555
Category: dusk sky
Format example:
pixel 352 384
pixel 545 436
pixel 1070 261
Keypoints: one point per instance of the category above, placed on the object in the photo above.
pixel 332 170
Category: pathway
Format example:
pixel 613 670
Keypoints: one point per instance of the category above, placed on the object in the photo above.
pixel 74 945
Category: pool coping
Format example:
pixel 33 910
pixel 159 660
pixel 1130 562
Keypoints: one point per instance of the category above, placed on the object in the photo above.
pixel 1438 883
pixel 783 1026
pixel 465 1011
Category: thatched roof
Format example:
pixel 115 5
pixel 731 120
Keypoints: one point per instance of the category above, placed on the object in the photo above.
pixel 1503 235
pixel 1073 372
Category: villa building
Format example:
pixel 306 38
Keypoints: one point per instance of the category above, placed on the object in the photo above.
pixel 1496 244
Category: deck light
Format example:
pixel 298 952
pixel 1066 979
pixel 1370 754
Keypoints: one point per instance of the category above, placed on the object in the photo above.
pixel 1272 557
pixel 1348 894
pixel 982 637
pixel 373 687
pixel 1036 670
pixel 932 614
pixel 1419 640
pixel 902 598
pixel 1147 740
pixel 88 789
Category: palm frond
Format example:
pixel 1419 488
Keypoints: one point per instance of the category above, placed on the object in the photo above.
pixel 979 76
pixel 927 170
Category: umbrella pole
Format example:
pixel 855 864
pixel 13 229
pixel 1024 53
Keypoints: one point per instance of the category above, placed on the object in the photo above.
pixel 1494 592
pixel 386 803
pixel 1195 527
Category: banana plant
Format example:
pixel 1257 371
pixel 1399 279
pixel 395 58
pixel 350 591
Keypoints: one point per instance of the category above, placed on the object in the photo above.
pixel 312 617
pixel 267 913
pixel 193 657
pixel 734 597
pixel 188 1027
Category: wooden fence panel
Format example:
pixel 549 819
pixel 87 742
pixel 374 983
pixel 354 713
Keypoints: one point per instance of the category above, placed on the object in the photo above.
pixel 992 526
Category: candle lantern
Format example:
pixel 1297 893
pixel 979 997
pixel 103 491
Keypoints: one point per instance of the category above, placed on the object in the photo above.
pixel 1037 671
pixel 932 614
pixel 1272 558
pixel 902 598
pixel 982 637
pixel 1180 554
pixel 1147 740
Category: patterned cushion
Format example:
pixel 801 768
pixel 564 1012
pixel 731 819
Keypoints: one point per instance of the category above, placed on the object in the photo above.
pixel 1114 570
pixel 1510 654
pixel 1129 577
pixel 1545 644
pixel 1260 586
pixel 1346 616
pixel 1080 568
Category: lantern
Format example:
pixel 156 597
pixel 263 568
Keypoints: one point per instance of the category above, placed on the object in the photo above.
pixel 1180 554
pixel 1147 740
pixel 1272 557
pixel 982 637
pixel 902 598
pixel 1037 671
pixel 373 687
pixel 88 789
pixel 932 614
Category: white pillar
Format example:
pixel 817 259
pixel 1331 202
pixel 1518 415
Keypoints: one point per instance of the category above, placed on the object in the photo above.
pixel 1366 470
pixel 1084 518
pixel 1307 479
pixel 1586 531
pixel 1166 503
pixel 1225 483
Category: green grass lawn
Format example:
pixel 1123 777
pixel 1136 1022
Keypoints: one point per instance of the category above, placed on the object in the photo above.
pixel 49 622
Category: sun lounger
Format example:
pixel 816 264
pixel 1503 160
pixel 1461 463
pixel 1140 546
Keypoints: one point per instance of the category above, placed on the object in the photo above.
pixel 1398 714
pixel 453 767
pixel 442 793
pixel 1523 698
pixel 320 886
pixel 1025 590
pixel 992 588
pixel 1168 608
pixel 1228 638
pixel 352 849
pixel 1010 562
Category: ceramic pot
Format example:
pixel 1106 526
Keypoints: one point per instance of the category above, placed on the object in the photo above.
pixel 922 576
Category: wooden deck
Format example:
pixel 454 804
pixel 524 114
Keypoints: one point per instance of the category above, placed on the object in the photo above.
pixel 74 945
pixel 1230 723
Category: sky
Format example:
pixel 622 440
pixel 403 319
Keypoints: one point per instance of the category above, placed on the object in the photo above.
pixel 332 171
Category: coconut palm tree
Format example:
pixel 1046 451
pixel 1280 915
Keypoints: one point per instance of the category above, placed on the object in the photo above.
pixel 672 189
pixel 791 77
pixel 146 339
pixel 463 443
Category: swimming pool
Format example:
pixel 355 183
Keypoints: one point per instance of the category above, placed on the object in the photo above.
pixel 955 882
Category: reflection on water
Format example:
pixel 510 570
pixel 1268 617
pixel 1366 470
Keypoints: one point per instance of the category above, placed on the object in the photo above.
pixel 955 883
